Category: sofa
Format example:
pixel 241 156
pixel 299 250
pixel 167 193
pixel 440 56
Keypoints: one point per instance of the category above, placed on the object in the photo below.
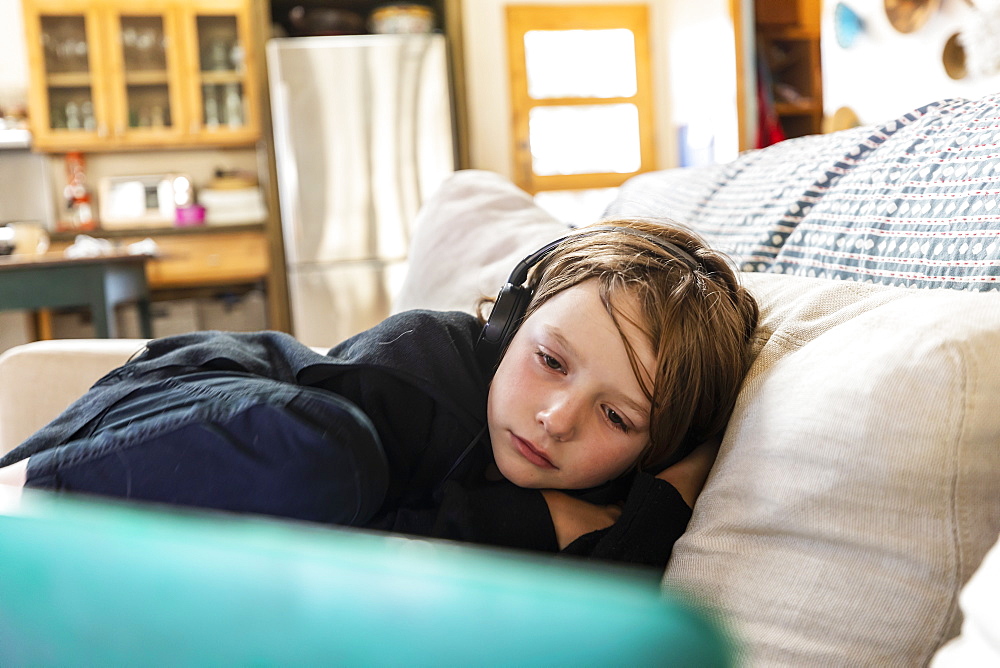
pixel 850 516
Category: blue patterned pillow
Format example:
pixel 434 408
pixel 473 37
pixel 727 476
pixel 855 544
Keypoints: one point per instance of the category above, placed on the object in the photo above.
pixel 921 209
pixel 748 207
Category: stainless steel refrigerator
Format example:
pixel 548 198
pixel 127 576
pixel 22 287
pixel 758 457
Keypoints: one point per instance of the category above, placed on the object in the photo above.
pixel 363 134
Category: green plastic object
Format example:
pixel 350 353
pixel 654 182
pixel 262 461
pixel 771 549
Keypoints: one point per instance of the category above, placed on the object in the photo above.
pixel 87 582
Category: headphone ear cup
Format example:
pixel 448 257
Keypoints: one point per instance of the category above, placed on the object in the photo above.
pixel 508 310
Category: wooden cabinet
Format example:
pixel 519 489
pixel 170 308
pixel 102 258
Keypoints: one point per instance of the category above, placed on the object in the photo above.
pixel 793 58
pixel 122 74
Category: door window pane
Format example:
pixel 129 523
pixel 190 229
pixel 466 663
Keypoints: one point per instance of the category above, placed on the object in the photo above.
pixel 580 63
pixel 586 139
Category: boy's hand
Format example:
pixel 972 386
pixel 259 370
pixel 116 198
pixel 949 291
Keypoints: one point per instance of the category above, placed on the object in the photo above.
pixel 689 474
pixel 573 517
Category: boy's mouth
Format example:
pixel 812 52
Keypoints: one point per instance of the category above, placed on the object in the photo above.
pixel 532 454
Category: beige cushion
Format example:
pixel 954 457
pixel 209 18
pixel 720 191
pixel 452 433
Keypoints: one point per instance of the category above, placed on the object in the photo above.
pixel 467 239
pixel 858 485
pixel 38 380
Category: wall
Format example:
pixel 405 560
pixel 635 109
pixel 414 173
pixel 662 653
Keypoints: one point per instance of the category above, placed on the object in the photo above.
pixel 887 73
pixel 692 62
pixel 14 67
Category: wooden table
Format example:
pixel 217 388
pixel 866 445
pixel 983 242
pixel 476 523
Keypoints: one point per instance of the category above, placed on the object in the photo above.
pixel 52 281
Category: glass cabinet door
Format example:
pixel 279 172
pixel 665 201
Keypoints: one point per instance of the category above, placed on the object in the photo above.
pixel 147 101
pixel 67 63
pixel 223 104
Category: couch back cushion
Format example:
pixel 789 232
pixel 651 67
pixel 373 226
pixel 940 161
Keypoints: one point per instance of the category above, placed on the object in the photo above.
pixel 467 239
pixel 858 484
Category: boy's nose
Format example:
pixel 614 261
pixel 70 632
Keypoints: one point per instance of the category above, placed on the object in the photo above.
pixel 559 419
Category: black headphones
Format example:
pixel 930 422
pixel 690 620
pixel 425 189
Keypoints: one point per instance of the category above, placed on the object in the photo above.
pixel 515 296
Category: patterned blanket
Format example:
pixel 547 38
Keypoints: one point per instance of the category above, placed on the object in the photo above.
pixel 912 202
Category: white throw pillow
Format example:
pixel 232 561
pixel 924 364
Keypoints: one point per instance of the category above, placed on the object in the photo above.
pixel 979 642
pixel 858 484
pixel 467 238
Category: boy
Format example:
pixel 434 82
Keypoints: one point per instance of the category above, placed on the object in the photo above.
pixel 609 357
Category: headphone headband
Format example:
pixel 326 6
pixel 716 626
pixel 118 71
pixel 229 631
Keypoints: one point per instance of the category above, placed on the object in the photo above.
pixel 514 297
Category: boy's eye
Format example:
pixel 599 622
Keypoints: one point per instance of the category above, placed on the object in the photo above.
pixel 549 361
pixel 616 420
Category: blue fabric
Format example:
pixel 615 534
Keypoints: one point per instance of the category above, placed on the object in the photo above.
pixel 227 441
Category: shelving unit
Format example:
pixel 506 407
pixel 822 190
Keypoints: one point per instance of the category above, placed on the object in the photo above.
pixel 792 53
pixel 786 34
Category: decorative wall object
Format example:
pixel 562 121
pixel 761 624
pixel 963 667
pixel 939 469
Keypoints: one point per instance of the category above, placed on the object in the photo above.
pixel 848 26
pixel 953 57
pixel 980 38
pixel 907 16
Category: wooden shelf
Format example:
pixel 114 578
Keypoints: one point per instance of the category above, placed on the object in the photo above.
pixel 158 231
pixel 68 80
pixel 797 108
pixel 147 78
pixel 211 77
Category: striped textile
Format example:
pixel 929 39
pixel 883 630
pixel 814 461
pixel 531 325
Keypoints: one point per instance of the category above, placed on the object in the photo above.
pixel 921 211
pixel 912 202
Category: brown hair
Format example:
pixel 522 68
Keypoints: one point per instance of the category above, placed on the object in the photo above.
pixel 699 321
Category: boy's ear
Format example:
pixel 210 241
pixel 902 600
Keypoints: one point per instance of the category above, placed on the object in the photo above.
pixel 505 318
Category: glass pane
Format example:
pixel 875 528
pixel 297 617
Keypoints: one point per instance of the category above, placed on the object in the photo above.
pixel 144 44
pixel 148 106
pixel 580 63
pixel 224 105
pixel 589 139
pixel 64 41
pixel 71 108
pixel 218 44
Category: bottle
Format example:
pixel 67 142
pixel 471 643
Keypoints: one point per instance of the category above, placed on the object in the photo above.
pixel 73 116
pixel 81 215
pixel 234 106
pixel 89 122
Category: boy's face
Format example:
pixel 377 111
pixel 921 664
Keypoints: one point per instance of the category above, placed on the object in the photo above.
pixel 565 409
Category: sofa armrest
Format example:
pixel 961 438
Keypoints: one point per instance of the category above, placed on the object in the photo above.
pixel 39 380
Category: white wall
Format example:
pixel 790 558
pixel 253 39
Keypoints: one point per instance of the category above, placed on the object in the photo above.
pixel 692 64
pixel 13 58
pixel 887 73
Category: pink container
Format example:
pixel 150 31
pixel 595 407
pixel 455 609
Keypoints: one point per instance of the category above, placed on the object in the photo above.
pixel 192 214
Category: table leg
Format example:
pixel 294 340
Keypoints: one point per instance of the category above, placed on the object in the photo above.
pixel 43 324
pixel 145 318
pixel 103 315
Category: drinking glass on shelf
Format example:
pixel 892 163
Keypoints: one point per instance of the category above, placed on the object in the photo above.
pixel 211 107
